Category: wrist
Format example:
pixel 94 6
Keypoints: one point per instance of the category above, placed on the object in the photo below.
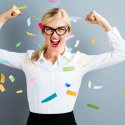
pixel 106 26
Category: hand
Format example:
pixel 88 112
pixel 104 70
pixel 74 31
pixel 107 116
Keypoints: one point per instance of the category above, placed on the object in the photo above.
pixel 95 18
pixel 11 13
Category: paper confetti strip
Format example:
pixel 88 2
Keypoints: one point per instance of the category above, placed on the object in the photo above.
pixel 22 8
pixel 36 18
pixel 72 93
pixel 30 34
pixel 74 17
pixel 18 44
pixel 54 95
pixel 2 78
pixel 40 25
pixel 93 106
pixel 19 91
pixel 67 84
pixel 70 36
pixel 89 84
pixel 77 43
pixel 70 68
pixel 4 61
pixel 93 41
pixel 28 21
pixel 122 91
pixel 2 89
pixel 97 87
pixel 11 78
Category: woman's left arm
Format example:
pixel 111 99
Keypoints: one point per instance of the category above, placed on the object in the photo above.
pixel 94 62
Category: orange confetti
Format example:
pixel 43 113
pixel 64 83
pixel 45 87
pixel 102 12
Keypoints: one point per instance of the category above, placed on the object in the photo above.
pixel 72 93
pixel 2 89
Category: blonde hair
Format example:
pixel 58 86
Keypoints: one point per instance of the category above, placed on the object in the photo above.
pixel 49 16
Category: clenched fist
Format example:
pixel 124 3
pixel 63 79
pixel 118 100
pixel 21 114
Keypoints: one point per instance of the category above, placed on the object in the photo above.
pixel 95 18
pixel 12 13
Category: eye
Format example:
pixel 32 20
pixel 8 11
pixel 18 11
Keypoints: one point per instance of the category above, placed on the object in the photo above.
pixel 61 29
pixel 48 29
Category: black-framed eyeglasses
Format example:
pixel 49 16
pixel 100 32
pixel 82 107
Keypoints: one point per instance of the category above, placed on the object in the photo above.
pixel 59 30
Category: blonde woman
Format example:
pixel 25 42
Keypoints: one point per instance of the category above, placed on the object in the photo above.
pixel 54 74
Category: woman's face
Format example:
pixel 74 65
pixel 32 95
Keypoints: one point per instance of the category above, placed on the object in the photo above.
pixel 56 39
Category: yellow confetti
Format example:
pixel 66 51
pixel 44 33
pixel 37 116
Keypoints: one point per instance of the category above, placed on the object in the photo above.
pixel 22 8
pixel 72 93
pixel 30 34
pixel 2 78
pixel 2 89
pixel 19 91
pixel 93 41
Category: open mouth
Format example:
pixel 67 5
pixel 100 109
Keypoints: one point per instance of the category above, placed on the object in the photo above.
pixel 55 43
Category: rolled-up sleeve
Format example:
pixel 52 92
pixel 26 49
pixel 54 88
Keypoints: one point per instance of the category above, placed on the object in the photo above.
pixel 12 59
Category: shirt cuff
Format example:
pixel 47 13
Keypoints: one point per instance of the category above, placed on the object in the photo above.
pixel 114 33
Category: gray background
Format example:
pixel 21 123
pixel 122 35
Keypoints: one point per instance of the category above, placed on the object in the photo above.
pixel 14 107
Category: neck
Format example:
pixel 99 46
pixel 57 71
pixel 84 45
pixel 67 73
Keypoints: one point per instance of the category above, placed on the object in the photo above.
pixel 53 54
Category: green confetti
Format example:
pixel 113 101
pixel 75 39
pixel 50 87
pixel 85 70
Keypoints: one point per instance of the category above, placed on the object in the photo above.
pixel 93 106
pixel 70 68
pixel 18 44
pixel 11 78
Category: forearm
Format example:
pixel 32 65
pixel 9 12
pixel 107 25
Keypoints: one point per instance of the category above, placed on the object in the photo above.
pixel 105 25
pixel 2 20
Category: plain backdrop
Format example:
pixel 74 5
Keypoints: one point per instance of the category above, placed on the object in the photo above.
pixel 14 108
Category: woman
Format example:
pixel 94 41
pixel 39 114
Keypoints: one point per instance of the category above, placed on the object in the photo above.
pixel 54 74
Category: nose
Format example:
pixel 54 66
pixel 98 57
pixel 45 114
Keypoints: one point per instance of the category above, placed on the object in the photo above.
pixel 55 34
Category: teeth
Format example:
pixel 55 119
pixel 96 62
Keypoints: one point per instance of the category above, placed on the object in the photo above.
pixel 55 40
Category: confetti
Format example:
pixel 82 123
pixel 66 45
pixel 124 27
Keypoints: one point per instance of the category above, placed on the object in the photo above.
pixel 18 44
pixel 30 34
pixel 67 84
pixel 36 18
pixel 79 18
pixel 2 78
pixel 122 91
pixel 28 21
pixel 11 78
pixel 97 87
pixel 69 49
pixel 40 25
pixel 77 43
pixel 4 61
pixel 70 36
pixel 32 82
pixel 85 65
pixel 22 8
pixel 73 20
pixel 2 89
pixel 19 91
pixel 70 68
pixel 93 41
pixel 72 93
pixel 93 106
pixel 40 45
pixel 49 98
pixel 89 84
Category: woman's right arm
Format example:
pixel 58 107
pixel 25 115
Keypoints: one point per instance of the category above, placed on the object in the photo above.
pixel 8 58
pixel 9 14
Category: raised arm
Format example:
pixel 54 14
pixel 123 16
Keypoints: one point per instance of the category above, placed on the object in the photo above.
pixel 11 59
pixel 94 62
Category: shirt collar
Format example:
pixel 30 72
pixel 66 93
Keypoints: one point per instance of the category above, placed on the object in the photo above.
pixel 65 56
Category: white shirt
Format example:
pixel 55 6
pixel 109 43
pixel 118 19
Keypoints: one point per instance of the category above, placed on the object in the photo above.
pixel 45 79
